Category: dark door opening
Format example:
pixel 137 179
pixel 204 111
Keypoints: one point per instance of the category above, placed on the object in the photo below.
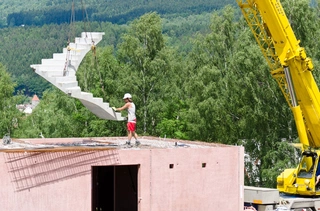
pixel 115 188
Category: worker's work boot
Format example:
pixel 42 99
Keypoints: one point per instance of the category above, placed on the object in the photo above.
pixel 128 143
pixel 137 143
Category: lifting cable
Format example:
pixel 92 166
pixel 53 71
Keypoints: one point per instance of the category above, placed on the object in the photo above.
pixel 96 66
pixel 93 47
pixel 71 34
pixel 85 19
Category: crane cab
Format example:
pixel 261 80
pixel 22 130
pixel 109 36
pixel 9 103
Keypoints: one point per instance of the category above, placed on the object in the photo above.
pixel 302 180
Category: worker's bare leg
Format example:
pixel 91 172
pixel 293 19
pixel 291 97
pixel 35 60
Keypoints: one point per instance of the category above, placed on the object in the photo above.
pixel 129 137
pixel 136 137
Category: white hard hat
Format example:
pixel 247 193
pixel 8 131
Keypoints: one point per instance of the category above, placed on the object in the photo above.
pixel 127 95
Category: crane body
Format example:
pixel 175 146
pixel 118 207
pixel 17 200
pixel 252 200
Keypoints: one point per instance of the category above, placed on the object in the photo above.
pixel 292 69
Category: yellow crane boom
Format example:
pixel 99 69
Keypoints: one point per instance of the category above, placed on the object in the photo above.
pixel 292 69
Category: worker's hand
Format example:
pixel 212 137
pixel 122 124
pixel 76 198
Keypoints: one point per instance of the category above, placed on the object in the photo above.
pixel 114 108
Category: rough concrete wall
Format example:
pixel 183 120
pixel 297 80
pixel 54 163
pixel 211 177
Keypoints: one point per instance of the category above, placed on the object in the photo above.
pixel 189 186
pixel 51 185
pixel 62 180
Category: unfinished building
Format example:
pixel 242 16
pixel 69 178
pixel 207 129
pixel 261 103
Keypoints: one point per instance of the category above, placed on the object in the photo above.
pixel 105 174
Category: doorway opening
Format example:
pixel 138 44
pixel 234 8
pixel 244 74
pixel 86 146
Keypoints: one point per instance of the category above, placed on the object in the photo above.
pixel 115 188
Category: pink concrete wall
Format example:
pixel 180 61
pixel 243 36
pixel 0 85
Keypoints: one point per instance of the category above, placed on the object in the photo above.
pixel 62 180
pixel 188 186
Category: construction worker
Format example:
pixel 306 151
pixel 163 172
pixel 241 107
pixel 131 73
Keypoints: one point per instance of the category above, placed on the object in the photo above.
pixel 132 120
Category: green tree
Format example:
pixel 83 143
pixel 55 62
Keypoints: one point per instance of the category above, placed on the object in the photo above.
pixel 10 115
pixel 234 100
pixel 53 117
pixel 150 69
pixel 59 115
pixel 206 87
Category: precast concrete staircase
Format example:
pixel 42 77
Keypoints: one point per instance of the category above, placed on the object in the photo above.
pixel 61 72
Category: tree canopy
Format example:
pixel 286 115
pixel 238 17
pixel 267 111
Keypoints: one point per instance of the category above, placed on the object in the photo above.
pixel 40 12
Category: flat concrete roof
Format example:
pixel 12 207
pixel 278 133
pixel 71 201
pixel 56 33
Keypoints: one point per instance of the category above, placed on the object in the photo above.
pixel 98 143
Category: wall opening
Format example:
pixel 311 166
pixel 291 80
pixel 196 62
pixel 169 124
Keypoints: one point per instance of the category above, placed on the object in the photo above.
pixel 115 188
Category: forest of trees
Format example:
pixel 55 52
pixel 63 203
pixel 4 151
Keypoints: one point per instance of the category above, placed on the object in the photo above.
pixel 200 77
pixel 40 12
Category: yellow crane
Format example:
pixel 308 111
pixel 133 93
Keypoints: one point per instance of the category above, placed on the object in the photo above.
pixel 292 69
